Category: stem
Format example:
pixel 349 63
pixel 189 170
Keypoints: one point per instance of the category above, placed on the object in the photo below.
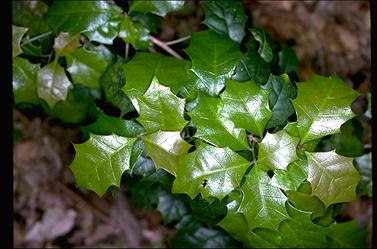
pixel 165 47
pixel 36 38
pixel 253 152
pixel 178 40
pixel 127 51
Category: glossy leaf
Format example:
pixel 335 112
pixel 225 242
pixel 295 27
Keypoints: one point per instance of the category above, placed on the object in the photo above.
pixel 66 44
pixel 207 213
pixel 236 225
pixel 157 7
pixel 52 83
pixel 214 58
pixel 291 178
pixel 326 110
pixel 333 177
pixel 277 150
pixel 264 49
pixel 171 209
pixel 17 34
pixel 364 164
pixel 246 105
pixel 144 66
pixel 226 18
pixel 107 31
pixel 160 109
pixel 164 147
pixel 214 128
pixel 288 60
pixel 107 125
pixel 86 66
pixel 23 81
pixel 282 92
pixel 346 235
pixel 368 112
pixel 100 162
pixel 134 33
pixel 80 16
pixel 211 171
pixel 263 204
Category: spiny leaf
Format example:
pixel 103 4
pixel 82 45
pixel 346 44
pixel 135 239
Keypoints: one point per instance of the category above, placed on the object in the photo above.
pixel 172 209
pixel 100 162
pixel 144 66
pixel 263 204
pixel 333 177
pixel 23 81
pixel 157 7
pixel 214 128
pixel 327 108
pixel 281 94
pixel 86 67
pixel 134 33
pixel 66 44
pixel 107 31
pixel 164 147
pixel 160 109
pixel 17 34
pixel 52 83
pixel 80 16
pixel 214 58
pixel 291 178
pixel 211 171
pixel 264 49
pixel 277 150
pixel 364 164
pixel 346 235
pixel 226 18
pixel 246 105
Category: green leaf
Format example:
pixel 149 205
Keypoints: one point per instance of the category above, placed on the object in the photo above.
pixel 281 94
pixel 264 49
pixel 160 109
pixel 144 66
pixel 226 18
pixel 207 213
pixel 164 147
pixel 246 105
pixel 160 8
pixel 333 177
pixel 150 21
pixel 364 164
pixel 172 209
pixel 107 125
pixel 291 178
pixel 214 58
pixel 263 204
pixel 326 110
pixel 214 128
pixel 134 33
pixel 100 162
pixel 23 82
pixel 211 171
pixel 236 225
pixel 109 30
pixel 112 82
pixel 288 60
pixel 86 66
pixel 80 16
pixel 145 195
pixel 346 235
pixel 66 44
pixel 52 83
pixel 277 150
pixel 17 34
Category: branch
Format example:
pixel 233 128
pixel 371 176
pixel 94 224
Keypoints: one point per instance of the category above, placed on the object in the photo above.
pixel 178 40
pixel 165 47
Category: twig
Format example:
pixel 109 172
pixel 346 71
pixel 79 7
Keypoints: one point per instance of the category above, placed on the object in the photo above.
pixel 127 51
pixel 36 38
pixel 169 43
pixel 165 47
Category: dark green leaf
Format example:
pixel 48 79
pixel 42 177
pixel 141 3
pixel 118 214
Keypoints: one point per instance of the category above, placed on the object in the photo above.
pixel 306 202
pixel 171 209
pixel 52 83
pixel 226 18
pixel 214 58
pixel 145 195
pixel 281 94
pixel 346 235
pixel 23 82
pixel 66 44
pixel 264 49
pixel 157 7
pixel 364 164
pixel 108 31
pixel 208 213
pixel 17 34
pixel 100 162
pixel 150 21
pixel 134 33
pixel 287 59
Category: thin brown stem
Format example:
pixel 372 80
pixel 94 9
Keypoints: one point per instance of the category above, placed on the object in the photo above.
pixel 169 43
pixel 165 47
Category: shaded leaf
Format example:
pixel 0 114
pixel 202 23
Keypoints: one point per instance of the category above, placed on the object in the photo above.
pixel 164 147
pixel 333 177
pixel 246 105
pixel 226 18
pixel 346 235
pixel 157 7
pixel 326 110
pixel 172 209
pixel 364 164
pixel 160 109
pixel 282 92
pixel 23 81
pixel 17 34
pixel 291 178
pixel 52 83
pixel 134 33
pixel 211 171
pixel 264 49
pixel 214 58
pixel 277 150
pixel 100 162
pixel 368 112
pixel 207 213
pixel 288 60
pixel 214 128
pixel 66 44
